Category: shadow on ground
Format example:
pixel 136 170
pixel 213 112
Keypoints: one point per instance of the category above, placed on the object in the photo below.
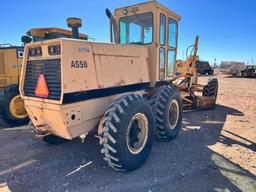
pixel 202 75
pixel 184 164
pixel 4 125
pixel 238 77
pixel 229 142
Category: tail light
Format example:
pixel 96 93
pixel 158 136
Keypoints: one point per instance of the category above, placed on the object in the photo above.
pixel 54 50
pixel 35 51
pixel 41 89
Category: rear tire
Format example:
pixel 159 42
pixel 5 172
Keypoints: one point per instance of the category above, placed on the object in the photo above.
pixel 14 112
pixel 167 107
pixel 126 133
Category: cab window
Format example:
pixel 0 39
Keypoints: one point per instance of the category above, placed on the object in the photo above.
pixel 136 29
pixel 172 46
pixel 161 63
pixel 172 33
pixel 171 62
pixel 162 29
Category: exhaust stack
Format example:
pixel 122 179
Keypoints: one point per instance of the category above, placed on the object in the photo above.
pixel 113 24
pixel 74 23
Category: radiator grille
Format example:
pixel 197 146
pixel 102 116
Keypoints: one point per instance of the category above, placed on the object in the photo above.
pixel 52 72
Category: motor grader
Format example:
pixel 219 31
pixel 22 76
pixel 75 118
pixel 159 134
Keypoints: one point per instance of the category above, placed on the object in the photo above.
pixel 123 89
pixel 12 105
pixel 194 95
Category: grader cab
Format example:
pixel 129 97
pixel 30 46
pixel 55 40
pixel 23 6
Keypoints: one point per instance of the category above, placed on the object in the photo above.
pixel 123 89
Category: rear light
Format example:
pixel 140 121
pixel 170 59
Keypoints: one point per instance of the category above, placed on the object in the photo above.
pixel 54 50
pixel 41 89
pixel 35 51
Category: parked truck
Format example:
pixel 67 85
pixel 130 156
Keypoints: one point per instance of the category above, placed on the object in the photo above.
pixel 249 71
pixel 203 67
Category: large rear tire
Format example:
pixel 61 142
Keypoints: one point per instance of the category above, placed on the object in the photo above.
pixel 126 133
pixel 14 112
pixel 167 107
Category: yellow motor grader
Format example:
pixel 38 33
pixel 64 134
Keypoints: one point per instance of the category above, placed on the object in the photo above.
pixel 12 106
pixel 123 89
pixel 194 95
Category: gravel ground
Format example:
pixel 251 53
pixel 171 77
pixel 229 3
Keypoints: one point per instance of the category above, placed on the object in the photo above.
pixel 215 151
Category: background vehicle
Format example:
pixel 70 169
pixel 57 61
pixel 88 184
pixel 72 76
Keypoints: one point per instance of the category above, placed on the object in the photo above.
pixel 203 68
pixel 231 67
pixel 249 71
pixel 12 105
pixel 71 87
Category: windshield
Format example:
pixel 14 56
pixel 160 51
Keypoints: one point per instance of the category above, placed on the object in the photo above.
pixel 136 29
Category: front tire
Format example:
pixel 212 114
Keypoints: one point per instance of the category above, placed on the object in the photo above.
pixel 126 133
pixel 211 89
pixel 167 107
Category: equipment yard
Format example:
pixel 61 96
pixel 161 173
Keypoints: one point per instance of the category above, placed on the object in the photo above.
pixel 215 151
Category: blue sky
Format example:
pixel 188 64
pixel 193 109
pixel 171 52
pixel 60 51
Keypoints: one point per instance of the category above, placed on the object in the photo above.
pixel 227 28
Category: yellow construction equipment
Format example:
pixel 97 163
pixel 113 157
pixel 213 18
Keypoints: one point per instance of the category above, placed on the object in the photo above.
pixel 194 95
pixel 42 34
pixel 12 106
pixel 124 88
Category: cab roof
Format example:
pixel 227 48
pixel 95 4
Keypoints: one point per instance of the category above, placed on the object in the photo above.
pixel 42 32
pixel 152 3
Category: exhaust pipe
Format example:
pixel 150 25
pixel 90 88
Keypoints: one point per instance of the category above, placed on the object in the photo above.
pixel 113 23
pixel 74 23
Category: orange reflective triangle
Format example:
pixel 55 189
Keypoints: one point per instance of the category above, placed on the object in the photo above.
pixel 41 87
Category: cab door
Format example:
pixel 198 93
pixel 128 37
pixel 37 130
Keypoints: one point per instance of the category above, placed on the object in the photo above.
pixel 168 35
pixel 162 46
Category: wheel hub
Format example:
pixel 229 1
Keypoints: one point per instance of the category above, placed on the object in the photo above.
pixel 173 114
pixel 137 133
pixel 17 108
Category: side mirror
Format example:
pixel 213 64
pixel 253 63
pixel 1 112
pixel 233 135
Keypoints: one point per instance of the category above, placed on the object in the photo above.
pixel 26 39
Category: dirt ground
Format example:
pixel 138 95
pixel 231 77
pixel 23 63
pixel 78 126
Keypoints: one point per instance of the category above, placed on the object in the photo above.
pixel 215 151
